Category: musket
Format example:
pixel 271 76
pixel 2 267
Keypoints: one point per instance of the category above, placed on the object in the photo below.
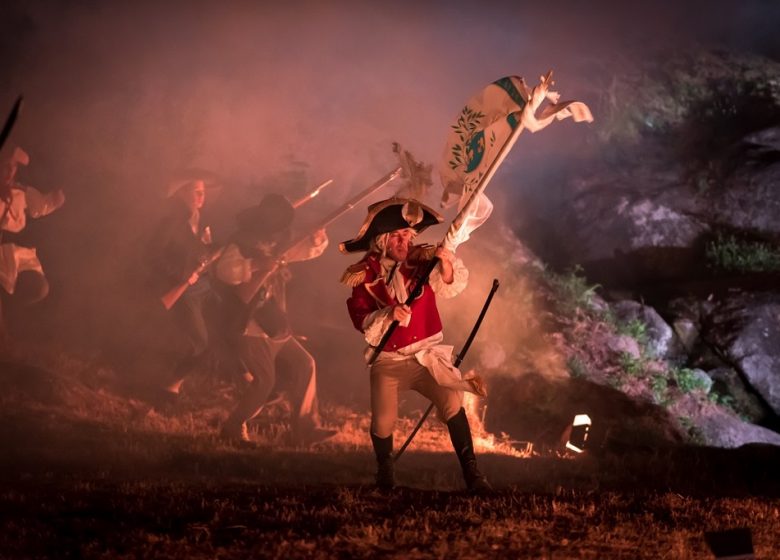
pixel 169 298
pixel 248 292
pixel 9 122
pixel 307 197
pixel 458 360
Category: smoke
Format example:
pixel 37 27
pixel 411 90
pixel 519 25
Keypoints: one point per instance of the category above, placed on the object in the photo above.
pixel 281 96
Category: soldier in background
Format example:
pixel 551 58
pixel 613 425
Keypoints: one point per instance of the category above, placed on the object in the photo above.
pixel 254 276
pixel 21 273
pixel 179 247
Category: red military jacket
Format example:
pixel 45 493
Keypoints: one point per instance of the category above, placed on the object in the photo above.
pixel 370 293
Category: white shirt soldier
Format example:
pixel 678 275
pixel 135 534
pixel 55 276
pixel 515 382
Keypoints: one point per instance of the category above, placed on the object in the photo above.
pixel 21 272
pixel 413 358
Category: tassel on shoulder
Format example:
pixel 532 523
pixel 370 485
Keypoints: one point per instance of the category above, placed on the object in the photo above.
pixel 355 274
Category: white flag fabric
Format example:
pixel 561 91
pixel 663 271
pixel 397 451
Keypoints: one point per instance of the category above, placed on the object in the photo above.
pixel 477 215
pixel 484 125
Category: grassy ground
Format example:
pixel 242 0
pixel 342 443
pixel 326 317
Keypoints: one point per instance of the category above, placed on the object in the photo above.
pixel 89 472
pixel 208 519
pixel 85 489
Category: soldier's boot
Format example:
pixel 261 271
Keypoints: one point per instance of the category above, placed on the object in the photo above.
pixel 383 448
pixel 460 434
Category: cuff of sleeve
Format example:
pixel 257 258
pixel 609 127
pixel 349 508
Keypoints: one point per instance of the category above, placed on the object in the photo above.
pixel 39 204
pixel 461 279
pixel 375 325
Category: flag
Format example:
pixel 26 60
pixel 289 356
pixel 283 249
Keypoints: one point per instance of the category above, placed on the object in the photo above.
pixel 482 128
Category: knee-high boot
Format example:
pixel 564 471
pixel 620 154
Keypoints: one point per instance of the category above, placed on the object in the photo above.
pixel 460 434
pixel 383 447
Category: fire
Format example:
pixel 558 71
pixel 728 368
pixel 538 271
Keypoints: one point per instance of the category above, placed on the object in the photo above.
pixel 486 442
pixel 433 436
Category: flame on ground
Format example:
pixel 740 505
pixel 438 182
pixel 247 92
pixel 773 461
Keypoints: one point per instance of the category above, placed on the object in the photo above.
pixel 433 436
pixel 486 442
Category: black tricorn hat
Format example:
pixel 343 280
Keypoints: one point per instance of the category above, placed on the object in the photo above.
pixel 273 215
pixel 390 215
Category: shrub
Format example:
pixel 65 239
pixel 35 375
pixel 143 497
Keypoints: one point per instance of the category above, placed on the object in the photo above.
pixel 660 386
pixel 730 253
pixel 631 365
pixel 573 291
pixel 635 328
pixel 687 380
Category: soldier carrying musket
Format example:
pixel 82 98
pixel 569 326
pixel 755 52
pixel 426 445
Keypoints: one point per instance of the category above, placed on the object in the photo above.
pixel 178 249
pixel 253 271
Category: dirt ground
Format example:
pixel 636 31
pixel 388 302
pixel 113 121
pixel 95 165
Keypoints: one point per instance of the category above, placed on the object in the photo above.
pixel 88 472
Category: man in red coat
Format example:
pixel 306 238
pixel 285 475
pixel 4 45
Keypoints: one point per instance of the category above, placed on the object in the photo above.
pixel 413 357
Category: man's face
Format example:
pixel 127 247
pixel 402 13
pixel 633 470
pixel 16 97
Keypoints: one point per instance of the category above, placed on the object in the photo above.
pixel 398 243
pixel 269 244
pixel 194 195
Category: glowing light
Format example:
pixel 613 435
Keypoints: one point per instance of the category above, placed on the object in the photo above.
pixel 578 433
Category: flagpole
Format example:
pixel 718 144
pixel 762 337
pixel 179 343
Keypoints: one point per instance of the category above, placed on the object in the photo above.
pixel 499 159
pixel 453 229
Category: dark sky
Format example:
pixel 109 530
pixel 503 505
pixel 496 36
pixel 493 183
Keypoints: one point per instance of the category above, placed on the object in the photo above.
pixel 246 88
pixel 284 95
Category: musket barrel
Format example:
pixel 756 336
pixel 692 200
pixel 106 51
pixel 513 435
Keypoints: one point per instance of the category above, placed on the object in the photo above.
pixel 330 218
pixel 351 203
pixel 307 197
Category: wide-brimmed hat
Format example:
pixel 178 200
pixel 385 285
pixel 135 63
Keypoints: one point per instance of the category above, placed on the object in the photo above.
pixel 390 215
pixel 273 215
pixel 181 179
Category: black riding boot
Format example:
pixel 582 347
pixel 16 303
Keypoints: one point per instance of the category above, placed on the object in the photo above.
pixel 460 434
pixel 383 447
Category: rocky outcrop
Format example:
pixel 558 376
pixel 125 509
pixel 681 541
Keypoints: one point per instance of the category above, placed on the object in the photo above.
pixel 720 429
pixel 729 383
pixel 656 226
pixel 747 328
pixel 747 198
pixel 676 207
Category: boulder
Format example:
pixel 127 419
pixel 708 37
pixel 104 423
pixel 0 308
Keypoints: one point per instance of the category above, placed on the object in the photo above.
pixel 728 382
pixel 747 197
pixel 619 233
pixel 687 332
pixel 746 327
pixel 718 428
pixel 662 342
